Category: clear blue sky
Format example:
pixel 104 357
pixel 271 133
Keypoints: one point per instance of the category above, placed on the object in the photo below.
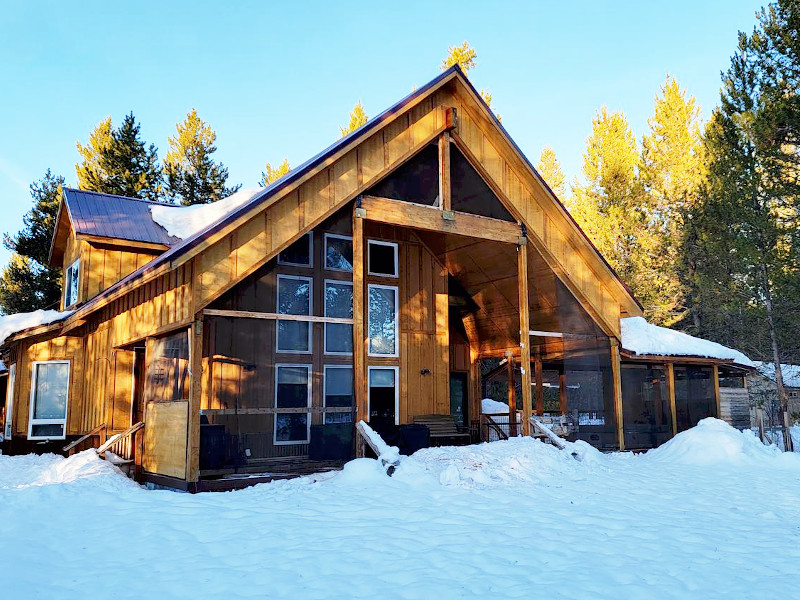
pixel 278 80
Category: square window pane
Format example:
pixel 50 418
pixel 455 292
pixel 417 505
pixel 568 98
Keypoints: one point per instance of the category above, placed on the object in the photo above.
pixel 50 396
pixel 298 253
pixel 382 320
pixel 294 336
pixel 291 428
pixel 338 253
pixel 382 259
pixel 54 431
pixel 292 391
pixel 294 296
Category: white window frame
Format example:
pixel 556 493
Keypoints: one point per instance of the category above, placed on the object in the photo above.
pixel 309 369
pixel 396 389
pixel 325 312
pixel 396 318
pixel 310 281
pixel 336 236
pixel 8 429
pixel 310 263
pixel 31 421
pixel 325 389
pixel 67 282
pixel 396 259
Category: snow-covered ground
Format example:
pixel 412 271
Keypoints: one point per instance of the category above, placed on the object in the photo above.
pixel 711 514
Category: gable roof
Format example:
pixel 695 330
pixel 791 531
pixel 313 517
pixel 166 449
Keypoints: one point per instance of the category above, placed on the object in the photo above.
pixel 184 250
pixel 109 216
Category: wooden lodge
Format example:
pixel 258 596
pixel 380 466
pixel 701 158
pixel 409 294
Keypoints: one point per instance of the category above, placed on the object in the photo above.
pixel 383 280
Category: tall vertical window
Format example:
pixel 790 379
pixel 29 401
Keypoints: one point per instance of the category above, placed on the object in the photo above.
pixel 292 391
pixel 9 413
pixel 49 392
pixel 299 254
pixel 338 252
pixel 338 393
pixel 71 281
pixel 383 397
pixel 294 298
pixel 382 320
pixel 339 304
pixel 382 258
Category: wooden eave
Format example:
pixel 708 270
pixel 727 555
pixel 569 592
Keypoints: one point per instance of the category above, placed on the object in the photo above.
pixel 101 240
pixel 60 235
pixel 629 356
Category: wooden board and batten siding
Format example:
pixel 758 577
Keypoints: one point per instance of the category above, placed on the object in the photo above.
pixel 165 438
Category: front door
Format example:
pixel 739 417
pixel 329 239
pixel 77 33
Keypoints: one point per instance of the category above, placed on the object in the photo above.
pixel 458 398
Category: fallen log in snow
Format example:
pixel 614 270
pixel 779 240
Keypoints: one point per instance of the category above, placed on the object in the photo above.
pixel 388 456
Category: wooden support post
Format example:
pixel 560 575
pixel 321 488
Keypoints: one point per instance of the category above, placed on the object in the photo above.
pixel 524 334
pixel 444 172
pixel 673 407
pixel 359 338
pixel 512 395
pixel 616 373
pixel 539 384
pixel 562 392
pixel 195 392
pixel 717 399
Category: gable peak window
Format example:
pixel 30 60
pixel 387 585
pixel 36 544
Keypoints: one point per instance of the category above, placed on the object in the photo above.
pixel 299 254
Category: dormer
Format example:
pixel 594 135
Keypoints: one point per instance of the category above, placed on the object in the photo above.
pixel 101 238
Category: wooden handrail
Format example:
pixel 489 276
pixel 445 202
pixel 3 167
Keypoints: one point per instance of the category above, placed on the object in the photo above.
pixel 492 424
pixel 120 436
pixel 94 432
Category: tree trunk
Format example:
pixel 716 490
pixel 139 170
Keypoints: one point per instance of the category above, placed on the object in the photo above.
pixel 782 395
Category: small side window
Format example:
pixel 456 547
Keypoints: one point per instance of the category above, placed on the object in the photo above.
pixel 71 282
pixel 382 258
pixel 298 254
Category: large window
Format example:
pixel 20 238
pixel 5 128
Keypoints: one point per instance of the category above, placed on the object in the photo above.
pixel 647 419
pixel 299 254
pixel 382 320
pixel 338 393
pixel 168 368
pixel 49 393
pixel 294 298
pixel 338 252
pixel 694 395
pixel 339 304
pixel 71 281
pixel 383 397
pixel 292 392
pixel 382 258
pixel 9 412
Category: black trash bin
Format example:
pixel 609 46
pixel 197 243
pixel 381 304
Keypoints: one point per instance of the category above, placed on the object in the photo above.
pixel 414 437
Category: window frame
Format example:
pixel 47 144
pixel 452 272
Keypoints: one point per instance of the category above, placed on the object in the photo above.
pixel 396 370
pixel 33 422
pixel 8 424
pixel 393 245
pixel 75 267
pixel 396 289
pixel 325 391
pixel 337 236
pixel 310 281
pixel 325 313
pixel 309 390
pixel 310 264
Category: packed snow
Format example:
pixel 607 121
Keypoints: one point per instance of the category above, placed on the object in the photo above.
pixel 791 373
pixel 185 221
pixel 10 324
pixel 641 337
pixel 711 514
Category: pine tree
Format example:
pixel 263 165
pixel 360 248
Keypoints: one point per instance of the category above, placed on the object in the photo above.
pixel 550 169
pixel 357 118
pixel 271 174
pixel 27 283
pixel 117 161
pixel 191 175
pixel 672 171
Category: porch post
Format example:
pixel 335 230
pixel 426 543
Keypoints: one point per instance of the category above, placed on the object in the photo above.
pixel 512 399
pixel 717 397
pixel 673 408
pixel 444 171
pixel 524 333
pixel 195 392
pixel 616 373
pixel 359 341
pixel 539 375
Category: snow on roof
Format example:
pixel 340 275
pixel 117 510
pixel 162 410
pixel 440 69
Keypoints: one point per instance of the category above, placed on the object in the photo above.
pixel 791 373
pixel 10 324
pixel 641 337
pixel 185 221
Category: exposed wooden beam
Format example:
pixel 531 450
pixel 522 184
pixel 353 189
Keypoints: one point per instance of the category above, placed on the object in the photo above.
pixel 524 337
pixel 444 172
pixel 429 218
pixel 616 374
pixel 673 408
pixel 246 314
pixel 127 244
pixel 537 365
pixel 359 337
